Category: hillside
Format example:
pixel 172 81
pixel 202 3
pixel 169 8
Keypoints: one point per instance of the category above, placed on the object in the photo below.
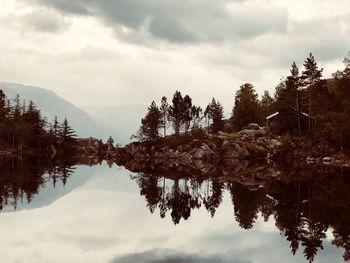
pixel 52 105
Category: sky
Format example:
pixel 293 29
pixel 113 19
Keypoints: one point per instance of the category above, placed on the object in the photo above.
pixel 107 52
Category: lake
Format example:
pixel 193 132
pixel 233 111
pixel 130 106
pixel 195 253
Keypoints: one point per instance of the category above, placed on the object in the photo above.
pixel 77 213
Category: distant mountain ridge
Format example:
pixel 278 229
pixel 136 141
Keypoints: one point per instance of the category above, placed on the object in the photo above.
pixel 127 117
pixel 52 105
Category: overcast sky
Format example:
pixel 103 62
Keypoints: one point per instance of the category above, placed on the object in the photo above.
pixel 104 52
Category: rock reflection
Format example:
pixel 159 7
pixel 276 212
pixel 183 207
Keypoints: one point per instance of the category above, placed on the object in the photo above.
pixel 305 202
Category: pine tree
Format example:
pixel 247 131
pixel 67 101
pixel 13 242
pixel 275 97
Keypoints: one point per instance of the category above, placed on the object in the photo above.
pixel 246 109
pixel 3 106
pixel 266 104
pixel 208 116
pixel 215 112
pixel 110 145
pixel 288 101
pixel 56 127
pixel 16 113
pixel 196 117
pixel 293 84
pixel 164 108
pixel 311 77
pixel 176 112
pixel 152 122
pixel 186 112
pixel 67 137
pixel 4 112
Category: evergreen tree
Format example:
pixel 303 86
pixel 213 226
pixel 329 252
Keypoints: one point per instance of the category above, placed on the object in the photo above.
pixel 4 111
pixel 215 112
pixel 23 128
pixel 208 117
pixel 164 108
pixel 288 102
pixel 311 77
pixel 338 126
pixel 186 112
pixel 67 137
pixel 3 106
pixel 196 117
pixel 56 127
pixel 110 146
pixel 246 109
pixel 266 104
pixel 16 111
pixel 152 122
pixel 176 112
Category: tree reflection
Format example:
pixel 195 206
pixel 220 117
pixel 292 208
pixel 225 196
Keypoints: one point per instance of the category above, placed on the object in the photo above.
pixel 21 178
pixel 246 203
pixel 304 202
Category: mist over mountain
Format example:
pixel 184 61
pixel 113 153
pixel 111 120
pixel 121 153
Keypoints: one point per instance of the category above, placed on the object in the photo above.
pixel 52 105
pixel 126 117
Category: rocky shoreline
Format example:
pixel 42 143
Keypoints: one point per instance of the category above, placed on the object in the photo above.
pixel 211 153
pixel 228 151
pixel 224 152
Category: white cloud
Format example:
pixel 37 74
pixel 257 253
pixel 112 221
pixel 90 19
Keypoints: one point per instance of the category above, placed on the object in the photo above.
pixel 98 59
pixel 44 20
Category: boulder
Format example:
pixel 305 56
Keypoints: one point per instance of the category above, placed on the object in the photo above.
pixel 204 152
pixel 252 135
pixel 232 150
pixel 253 126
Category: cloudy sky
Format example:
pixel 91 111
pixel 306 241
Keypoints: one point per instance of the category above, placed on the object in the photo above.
pixel 105 52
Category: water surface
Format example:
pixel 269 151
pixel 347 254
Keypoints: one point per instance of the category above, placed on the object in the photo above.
pixel 103 214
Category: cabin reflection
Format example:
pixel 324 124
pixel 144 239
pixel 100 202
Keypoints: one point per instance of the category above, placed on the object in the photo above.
pixel 304 202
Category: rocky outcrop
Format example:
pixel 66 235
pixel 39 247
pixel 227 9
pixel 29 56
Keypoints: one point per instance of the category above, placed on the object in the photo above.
pixel 232 150
pixel 88 147
pixel 226 151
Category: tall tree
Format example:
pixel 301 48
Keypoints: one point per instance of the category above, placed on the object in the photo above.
pixel 176 112
pixel 311 77
pixel 288 100
pixel 266 104
pixel 293 84
pixel 196 117
pixel 56 127
pixel 164 108
pixel 339 121
pixel 152 122
pixel 3 106
pixel 68 137
pixel 4 111
pixel 215 112
pixel 186 112
pixel 246 109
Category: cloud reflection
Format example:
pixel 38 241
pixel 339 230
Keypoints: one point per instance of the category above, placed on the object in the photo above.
pixel 171 256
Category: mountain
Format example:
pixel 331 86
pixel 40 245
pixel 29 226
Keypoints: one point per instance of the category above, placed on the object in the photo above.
pixel 52 105
pixel 126 117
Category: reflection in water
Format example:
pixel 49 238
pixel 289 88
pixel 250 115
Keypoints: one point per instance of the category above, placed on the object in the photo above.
pixel 20 179
pixel 304 203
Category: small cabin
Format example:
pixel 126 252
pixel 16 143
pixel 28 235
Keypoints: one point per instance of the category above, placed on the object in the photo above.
pixel 287 121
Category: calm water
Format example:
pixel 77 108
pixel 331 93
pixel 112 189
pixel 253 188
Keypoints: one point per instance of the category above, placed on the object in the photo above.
pixel 103 214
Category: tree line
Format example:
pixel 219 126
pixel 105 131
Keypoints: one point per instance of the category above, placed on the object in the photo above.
pixel 23 128
pixel 182 115
pixel 305 102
